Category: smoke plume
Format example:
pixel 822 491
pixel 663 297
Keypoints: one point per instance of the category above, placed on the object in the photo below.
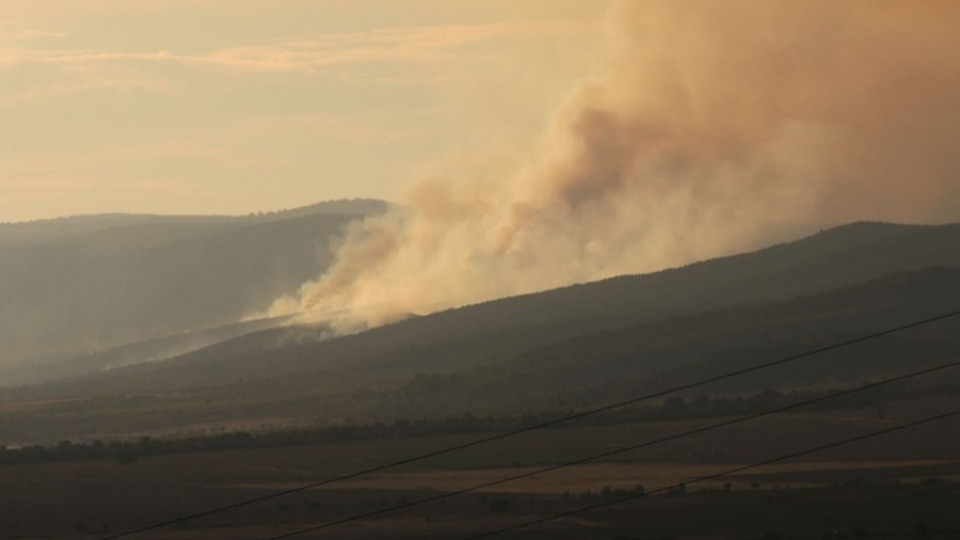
pixel 709 127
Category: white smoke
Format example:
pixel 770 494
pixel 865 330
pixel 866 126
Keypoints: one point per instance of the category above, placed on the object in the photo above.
pixel 709 128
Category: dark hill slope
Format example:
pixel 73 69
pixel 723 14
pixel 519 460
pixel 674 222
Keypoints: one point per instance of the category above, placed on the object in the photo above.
pixel 568 374
pixel 625 363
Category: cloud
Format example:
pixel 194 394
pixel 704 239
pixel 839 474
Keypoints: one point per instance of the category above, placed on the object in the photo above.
pixel 384 45
pixel 20 56
pixel 389 44
pixel 60 72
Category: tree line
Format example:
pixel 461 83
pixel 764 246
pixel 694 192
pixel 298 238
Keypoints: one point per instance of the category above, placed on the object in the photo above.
pixel 674 408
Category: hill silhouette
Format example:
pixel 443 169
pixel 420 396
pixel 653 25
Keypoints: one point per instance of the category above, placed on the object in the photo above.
pixel 80 285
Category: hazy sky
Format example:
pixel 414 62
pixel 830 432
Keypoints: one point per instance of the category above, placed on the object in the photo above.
pixel 231 106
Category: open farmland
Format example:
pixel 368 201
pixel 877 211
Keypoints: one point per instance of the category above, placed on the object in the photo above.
pixel 88 499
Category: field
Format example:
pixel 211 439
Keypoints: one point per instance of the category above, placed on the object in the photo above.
pixel 890 485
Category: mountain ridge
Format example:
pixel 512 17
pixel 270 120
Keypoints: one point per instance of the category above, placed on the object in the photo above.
pixel 455 338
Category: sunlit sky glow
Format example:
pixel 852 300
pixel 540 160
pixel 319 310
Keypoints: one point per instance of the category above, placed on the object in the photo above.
pixel 232 106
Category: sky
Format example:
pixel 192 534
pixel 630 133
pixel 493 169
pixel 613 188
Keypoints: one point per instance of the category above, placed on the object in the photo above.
pixel 234 106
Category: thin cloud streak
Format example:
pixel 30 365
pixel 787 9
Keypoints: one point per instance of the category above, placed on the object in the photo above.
pixel 14 33
pixel 383 45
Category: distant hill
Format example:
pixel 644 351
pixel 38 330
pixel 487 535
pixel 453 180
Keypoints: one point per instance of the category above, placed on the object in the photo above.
pixel 47 230
pixel 578 345
pixel 79 285
pixel 348 207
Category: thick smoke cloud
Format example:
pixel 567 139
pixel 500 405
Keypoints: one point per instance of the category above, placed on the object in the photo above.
pixel 710 127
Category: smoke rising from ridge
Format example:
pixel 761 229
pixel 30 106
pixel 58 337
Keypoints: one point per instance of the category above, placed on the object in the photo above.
pixel 710 127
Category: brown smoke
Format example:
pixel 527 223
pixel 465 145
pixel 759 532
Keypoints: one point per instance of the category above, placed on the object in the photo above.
pixel 710 127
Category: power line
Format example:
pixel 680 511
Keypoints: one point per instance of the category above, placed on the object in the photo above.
pixel 646 444
pixel 728 472
pixel 526 429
